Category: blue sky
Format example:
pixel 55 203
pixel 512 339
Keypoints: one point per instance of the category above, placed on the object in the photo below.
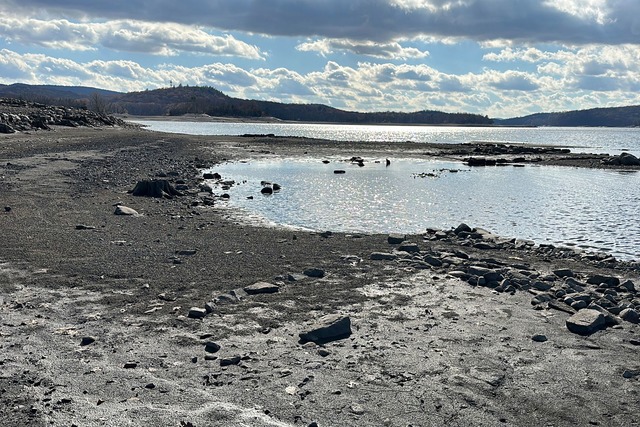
pixel 502 58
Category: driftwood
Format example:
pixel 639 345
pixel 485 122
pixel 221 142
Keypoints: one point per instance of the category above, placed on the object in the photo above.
pixel 155 188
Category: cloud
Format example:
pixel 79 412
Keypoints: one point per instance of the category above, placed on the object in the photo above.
pixel 166 39
pixel 565 21
pixel 392 50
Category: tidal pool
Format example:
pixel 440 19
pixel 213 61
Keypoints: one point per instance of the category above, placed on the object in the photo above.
pixel 591 209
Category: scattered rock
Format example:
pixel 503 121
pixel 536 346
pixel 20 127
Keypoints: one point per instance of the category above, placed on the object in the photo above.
pixel 314 272
pixel 211 347
pixel 586 322
pixel 539 338
pixel 159 188
pixel 339 171
pixel 328 328
pixel 396 239
pixel 261 288
pixel 462 228
pixel 130 365
pixel 124 210
pixel 630 315
pixel 228 361
pixel 409 247
pixel 382 256
pixel 85 227
pixel 197 313
pixel 266 190
pixel 87 341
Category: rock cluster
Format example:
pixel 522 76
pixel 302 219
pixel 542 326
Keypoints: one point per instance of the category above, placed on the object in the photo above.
pixel 595 301
pixel 18 115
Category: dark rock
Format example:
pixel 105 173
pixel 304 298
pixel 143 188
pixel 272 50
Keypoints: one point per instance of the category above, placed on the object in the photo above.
pixel 409 247
pixel 214 175
pixel 266 190
pixel 159 188
pixel 586 322
pixel 598 279
pixel 295 277
pixel 564 272
pixel 314 272
pixel 130 365
pixel 396 239
pixel 5 128
pixel 628 285
pixel 261 288
pixel 328 328
pixel 85 227
pixel 197 313
pixel 211 347
pixel 186 252
pixel 539 338
pixel 228 361
pixel 382 256
pixel 630 315
pixel 87 341
pixel 339 171
pixel 435 262
pixel 462 227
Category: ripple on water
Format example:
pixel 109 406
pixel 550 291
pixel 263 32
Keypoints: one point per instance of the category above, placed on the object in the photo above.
pixel 563 205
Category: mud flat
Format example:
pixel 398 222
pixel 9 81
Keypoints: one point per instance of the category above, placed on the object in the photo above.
pixel 180 315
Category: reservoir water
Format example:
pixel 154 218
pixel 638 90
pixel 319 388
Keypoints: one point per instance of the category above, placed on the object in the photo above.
pixel 586 208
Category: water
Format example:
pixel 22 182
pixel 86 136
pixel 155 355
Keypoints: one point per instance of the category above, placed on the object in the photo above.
pixel 580 140
pixel 591 209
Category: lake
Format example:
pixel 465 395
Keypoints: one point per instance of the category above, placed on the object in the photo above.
pixel 590 209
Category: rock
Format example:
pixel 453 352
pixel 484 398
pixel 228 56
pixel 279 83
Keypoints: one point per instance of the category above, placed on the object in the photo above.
pixel 85 227
pixel 539 338
pixel 629 373
pixel 328 328
pixel 87 341
pixel 197 313
pixel 159 188
pixel 211 347
pixel 323 352
pixel 124 210
pixel 409 247
pixel 228 361
pixel 130 365
pixel 339 171
pixel 435 262
pixel 261 288
pixel 5 128
pixel 295 277
pixel 357 409
pixel 396 239
pixel 186 252
pixel 564 272
pixel 586 322
pixel 462 228
pixel 314 272
pixel 214 175
pixel 630 315
pixel 382 256
pixel 266 190
pixel 541 286
pixel 484 246
pixel 598 279
pixel 629 286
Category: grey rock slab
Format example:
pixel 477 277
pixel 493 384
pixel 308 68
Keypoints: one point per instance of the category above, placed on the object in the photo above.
pixel 328 328
pixel 314 272
pixel 382 256
pixel 211 347
pixel 124 210
pixel 598 279
pixel 261 288
pixel 563 272
pixel 586 322
pixel 630 315
pixel 409 247
pixel 396 239
pixel 228 361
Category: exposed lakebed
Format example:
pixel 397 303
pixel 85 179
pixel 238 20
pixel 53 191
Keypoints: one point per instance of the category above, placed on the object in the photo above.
pixel 586 208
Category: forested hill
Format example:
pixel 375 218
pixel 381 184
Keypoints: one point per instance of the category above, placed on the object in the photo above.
pixel 176 101
pixel 613 117
pixel 204 100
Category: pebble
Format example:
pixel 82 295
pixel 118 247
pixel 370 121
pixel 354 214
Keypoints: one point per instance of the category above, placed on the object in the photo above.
pixel 124 210
pixel 539 338
pixel 261 288
pixel 382 256
pixel 357 409
pixel 314 272
pixel 228 361
pixel 211 347
pixel 130 365
pixel 197 313
pixel 87 341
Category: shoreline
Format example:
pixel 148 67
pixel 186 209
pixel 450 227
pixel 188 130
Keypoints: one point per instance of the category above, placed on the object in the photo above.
pixel 443 325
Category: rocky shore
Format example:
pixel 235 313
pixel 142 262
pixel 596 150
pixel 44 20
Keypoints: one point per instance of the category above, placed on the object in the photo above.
pixel 173 312
pixel 21 116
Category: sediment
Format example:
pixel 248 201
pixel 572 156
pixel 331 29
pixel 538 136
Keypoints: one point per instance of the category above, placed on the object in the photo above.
pixel 181 314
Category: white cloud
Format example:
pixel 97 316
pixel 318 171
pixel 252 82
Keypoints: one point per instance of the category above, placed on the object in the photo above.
pixel 392 50
pixel 166 39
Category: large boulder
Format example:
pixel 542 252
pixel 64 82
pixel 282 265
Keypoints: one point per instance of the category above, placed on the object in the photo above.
pixel 155 188
pixel 586 322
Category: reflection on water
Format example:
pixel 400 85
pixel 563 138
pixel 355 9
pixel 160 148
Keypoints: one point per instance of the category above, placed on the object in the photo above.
pixel 593 209
pixel 581 140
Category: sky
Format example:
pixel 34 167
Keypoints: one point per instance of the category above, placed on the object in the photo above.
pixel 501 58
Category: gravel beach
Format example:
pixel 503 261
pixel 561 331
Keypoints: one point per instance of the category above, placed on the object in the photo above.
pixel 178 313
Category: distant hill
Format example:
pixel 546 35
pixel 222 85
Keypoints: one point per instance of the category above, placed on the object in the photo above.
pixel 72 96
pixel 612 117
pixel 206 100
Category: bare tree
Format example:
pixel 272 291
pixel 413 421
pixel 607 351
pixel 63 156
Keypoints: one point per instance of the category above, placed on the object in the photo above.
pixel 97 103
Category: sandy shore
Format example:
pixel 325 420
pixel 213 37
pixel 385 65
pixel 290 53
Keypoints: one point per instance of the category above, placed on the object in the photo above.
pixel 466 328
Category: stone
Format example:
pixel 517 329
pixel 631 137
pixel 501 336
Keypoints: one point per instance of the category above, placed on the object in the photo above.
pixel 328 328
pixel 409 247
pixel 396 239
pixel 339 171
pixel 186 252
pixel 539 338
pixel 314 272
pixel 630 315
pixel 435 262
pixel 629 286
pixel 586 322
pixel 124 210
pixel 382 256
pixel 266 190
pixel 130 365
pixel 228 361
pixel 295 277
pixel 462 228
pixel 261 288
pixel 87 341
pixel 541 286
pixel 564 272
pixel 197 313
pixel 85 227
pixel 598 279
pixel 159 188
pixel 628 373
pixel 211 347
